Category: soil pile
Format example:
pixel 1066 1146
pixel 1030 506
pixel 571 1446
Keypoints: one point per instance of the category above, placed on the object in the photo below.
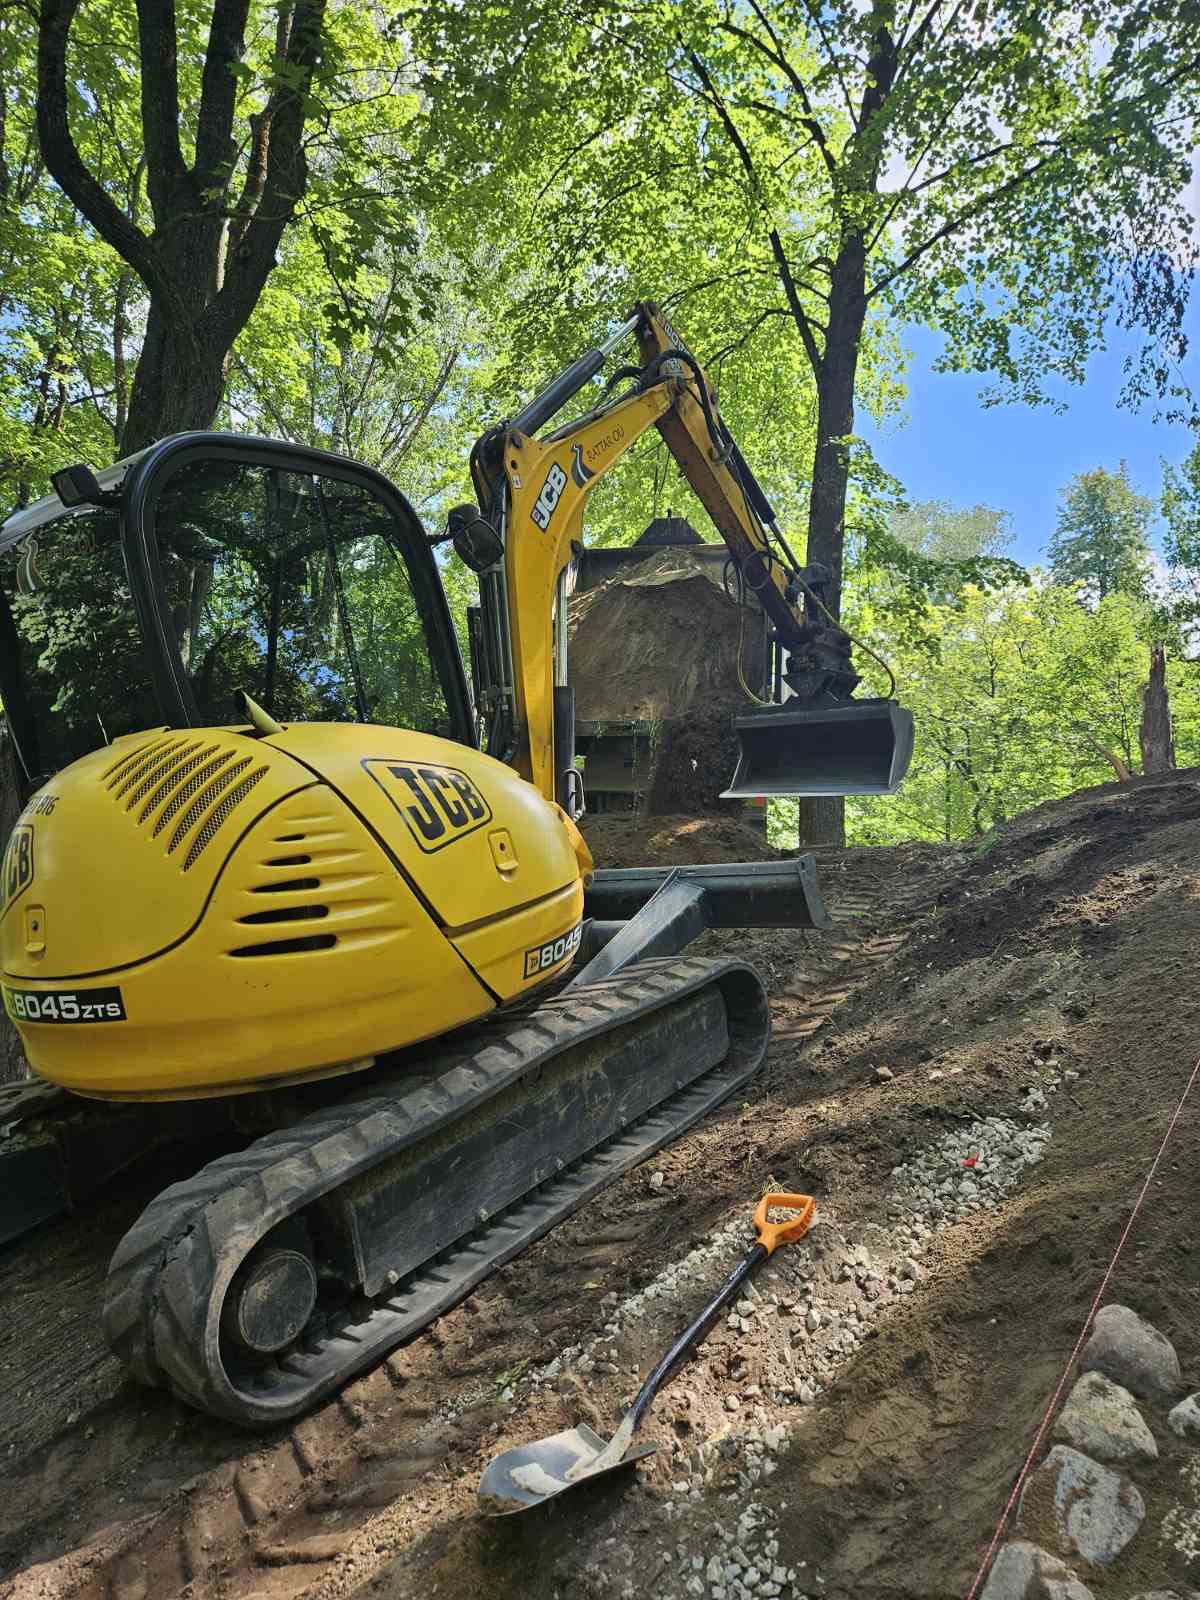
pixel 673 841
pixel 1032 1001
pixel 660 641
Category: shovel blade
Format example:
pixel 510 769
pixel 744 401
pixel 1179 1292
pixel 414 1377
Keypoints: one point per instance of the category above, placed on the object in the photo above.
pixel 842 747
pixel 530 1474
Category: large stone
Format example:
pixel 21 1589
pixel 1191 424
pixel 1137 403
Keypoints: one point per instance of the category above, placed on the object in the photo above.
pixel 1133 1354
pixel 1102 1419
pixel 1023 1571
pixel 1184 1419
pixel 1093 1511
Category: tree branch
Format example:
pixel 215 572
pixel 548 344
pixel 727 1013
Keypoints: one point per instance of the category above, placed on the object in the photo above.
pixel 286 177
pixel 952 224
pixel 807 336
pixel 809 121
pixel 66 165
pixel 247 204
pixel 160 102
pixel 814 12
pixel 215 148
pixel 803 326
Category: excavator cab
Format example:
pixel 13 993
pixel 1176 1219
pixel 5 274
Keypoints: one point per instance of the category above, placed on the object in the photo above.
pixel 221 566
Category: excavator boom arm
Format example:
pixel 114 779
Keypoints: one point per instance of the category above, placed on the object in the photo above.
pixel 533 493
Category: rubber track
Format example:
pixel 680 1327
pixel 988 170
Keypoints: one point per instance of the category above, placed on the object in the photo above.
pixel 170 1272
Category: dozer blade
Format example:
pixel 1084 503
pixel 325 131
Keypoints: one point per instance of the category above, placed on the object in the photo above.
pixel 848 747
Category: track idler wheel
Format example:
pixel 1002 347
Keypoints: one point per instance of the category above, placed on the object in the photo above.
pixel 271 1298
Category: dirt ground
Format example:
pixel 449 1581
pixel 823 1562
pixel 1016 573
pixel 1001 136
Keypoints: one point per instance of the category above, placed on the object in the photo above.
pixel 1046 976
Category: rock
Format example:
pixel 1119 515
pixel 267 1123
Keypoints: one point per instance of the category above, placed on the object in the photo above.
pixel 1022 1571
pixel 1184 1419
pixel 732 1402
pixel 1094 1510
pixel 1133 1354
pixel 1165 1594
pixel 813 1320
pixel 884 1074
pixel 657 1179
pixel 828 1248
pixel 1101 1419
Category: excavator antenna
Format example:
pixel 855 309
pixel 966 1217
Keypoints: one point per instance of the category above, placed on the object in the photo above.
pixel 842 747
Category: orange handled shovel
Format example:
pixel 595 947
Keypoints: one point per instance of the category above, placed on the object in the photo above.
pixel 532 1473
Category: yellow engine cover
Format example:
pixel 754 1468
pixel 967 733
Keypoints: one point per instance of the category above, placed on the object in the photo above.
pixel 207 911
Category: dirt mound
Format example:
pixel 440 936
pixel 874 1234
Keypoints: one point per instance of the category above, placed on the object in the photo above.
pixel 697 756
pixel 673 841
pixel 660 641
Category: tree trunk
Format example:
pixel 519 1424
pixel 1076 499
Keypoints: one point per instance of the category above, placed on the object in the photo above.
pixel 823 821
pixel 1154 735
pixel 178 384
pixel 13 1066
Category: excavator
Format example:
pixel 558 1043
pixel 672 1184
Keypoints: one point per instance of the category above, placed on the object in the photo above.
pixel 289 877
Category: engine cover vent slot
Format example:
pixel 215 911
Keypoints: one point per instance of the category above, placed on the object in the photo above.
pixel 192 776
pixel 287 886
pixel 286 914
pixel 288 861
pixel 225 805
pixel 287 947
pixel 112 774
pixel 153 759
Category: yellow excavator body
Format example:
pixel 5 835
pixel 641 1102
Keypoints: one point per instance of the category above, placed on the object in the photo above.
pixel 242 874
pixel 212 911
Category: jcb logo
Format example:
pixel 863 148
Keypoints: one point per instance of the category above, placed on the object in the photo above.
pixel 439 804
pixel 548 498
pixel 17 871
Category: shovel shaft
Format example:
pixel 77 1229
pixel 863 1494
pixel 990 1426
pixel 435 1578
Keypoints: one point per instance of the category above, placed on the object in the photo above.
pixel 692 1336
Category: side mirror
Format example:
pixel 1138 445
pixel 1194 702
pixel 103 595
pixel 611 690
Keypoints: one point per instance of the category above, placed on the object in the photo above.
pixel 477 543
pixel 79 486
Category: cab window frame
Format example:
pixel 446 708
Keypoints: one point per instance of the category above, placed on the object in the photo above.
pixel 141 492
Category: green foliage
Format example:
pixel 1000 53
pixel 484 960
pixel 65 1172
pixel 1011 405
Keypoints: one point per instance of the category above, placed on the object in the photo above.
pixel 1100 542
pixel 1180 507
pixel 1020 695
pixel 943 532
pixel 1009 176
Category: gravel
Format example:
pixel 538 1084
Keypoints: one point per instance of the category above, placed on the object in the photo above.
pixel 812 1307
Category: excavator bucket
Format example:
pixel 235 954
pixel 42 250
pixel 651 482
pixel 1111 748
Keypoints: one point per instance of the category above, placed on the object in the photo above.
pixel 842 747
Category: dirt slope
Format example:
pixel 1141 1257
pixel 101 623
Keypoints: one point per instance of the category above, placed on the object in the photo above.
pixel 1046 980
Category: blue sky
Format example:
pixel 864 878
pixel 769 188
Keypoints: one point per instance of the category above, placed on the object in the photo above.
pixel 1017 458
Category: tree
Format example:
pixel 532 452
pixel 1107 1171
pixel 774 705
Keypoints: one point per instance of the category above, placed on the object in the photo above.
pixel 64 295
pixel 1180 507
pixel 277 115
pixel 1100 541
pixel 1155 735
pixel 1008 172
pixel 944 532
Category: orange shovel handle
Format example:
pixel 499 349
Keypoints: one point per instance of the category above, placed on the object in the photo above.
pixel 771 1234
